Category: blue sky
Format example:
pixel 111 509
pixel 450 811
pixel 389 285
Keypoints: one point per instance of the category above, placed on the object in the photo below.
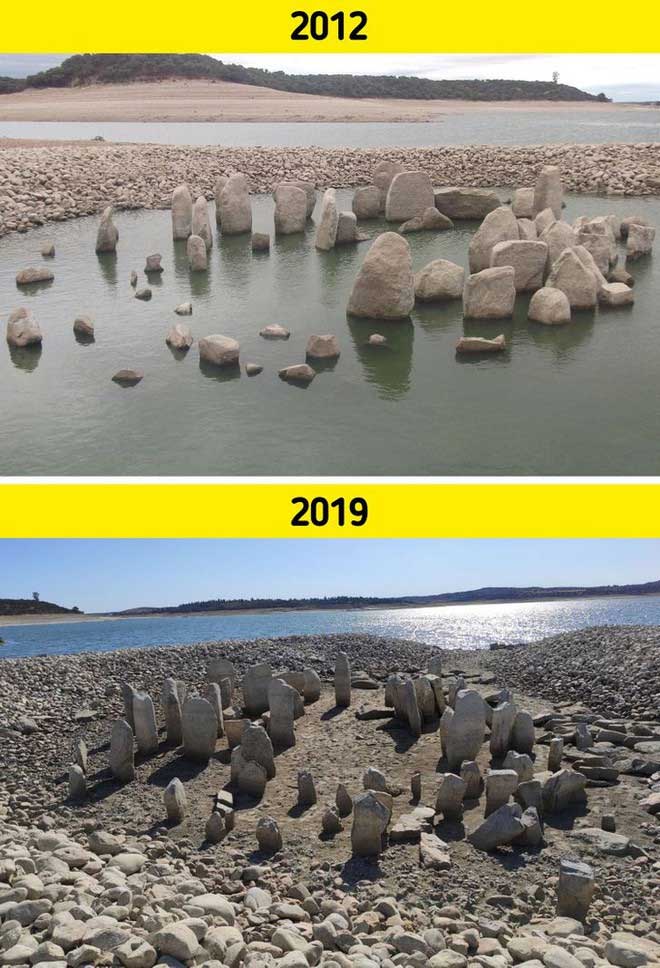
pixel 108 575
pixel 623 77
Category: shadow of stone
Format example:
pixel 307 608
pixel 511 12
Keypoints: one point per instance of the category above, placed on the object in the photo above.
pixel 331 713
pixel 298 809
pixel 361 869
pixel 450 830
pixel 179 355
pixel 26 357
pixel 403 740
pixel 566 819
pixel 223 374
pixel 180 767
pixel 84 339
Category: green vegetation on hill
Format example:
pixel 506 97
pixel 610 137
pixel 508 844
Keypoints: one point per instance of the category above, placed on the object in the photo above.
pixel 84 69
pixel 495 594
pixel 32 606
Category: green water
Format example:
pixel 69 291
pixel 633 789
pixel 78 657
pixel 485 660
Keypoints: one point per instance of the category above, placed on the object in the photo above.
pixel 579 399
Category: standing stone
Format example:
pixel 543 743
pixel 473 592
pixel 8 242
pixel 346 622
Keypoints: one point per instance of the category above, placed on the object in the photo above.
pixel 343 800
pixel 409 194
pixel 255 689
pixel 532 834
pixel 107 235
pixel 523 735
pixel 527 229
pixel 122 765
pixel 169 700
pixel 269 837
pixel 200 729
pixel 215 828
pixel 438 694
pixel 416 786
pixel 455 686
pixel 383 174
pixel 342 680
pixel 530 794
pixel 256 745
pixel 235 207
pixel 201 224
pixel 220 668
pixel 528 260
pixel 181 213
pixel 500 785
pixel 499 225
pixel 640 241
pixel 367 202
pixel 146 731
pixel 175 800
pixel 434 665
pixel 464 728
pixel 451 792
pixel 575 889
pixel 80 754
pixel 549 306
pixel 562 789
pixel 410 707
pixel 309 189
pixel 425 698
pixel 490 294
pixel 548 190
pixel 370 820
pixel 544 220
pixel 197 255
pixel 218 188
pixel 290 209
pixel 330 822
pixel 583 738
pixel 500 828
pixel 574 279
pixel 306 789
pixel 326 231
pixel 77 783
pixel 521 763
pixel 249 776
pixel 439 280
pixel 324 347
pixel 522 203
pixel 558 236
pixel 214 695
pixel 347 231
pixel 471 775
pixel 501 729
pixel 385 286
pixel 312 686
pixel 282 704
pixel 555 754
pixel 23 329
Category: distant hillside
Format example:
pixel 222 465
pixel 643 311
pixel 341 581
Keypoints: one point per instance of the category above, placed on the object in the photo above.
pixel 28 606
pixel 474 596
pixel 84 69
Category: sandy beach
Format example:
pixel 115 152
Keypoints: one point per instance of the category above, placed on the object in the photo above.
pixel 181 100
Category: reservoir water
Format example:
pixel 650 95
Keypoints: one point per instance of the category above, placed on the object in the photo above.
pixel 490 124
pixel 451 627
pixel 576 399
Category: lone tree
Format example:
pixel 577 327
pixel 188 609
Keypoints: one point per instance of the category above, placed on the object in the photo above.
pixel 555 77
pixel 35 596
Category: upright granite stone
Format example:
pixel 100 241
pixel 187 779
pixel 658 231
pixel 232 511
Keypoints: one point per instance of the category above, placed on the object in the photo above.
pixel 409 194
pixel 550 307
pixel 343 800
pixel 499 225
pixel 555 754
pixel 410 707
pixel 383 174
pixel 282 704
pixel 213 694
pixel 312 686
pixel 290 209
pixel 235 207
pixel 347 229
pixel 146 731
pixel 522 203
pixel 425 698
pixel 181 213
pixel 501 729
pixel 200 729
pixel 122 757
pixel 342 680
pixel 384 287
pixel 218 189
pixel 562 789
pixel 500 786
pixel 523 735
pixel 127 694
pixel 500 828
pixel 326 231
pixel 367 202
pixel 306 789
pixel 218 670
pixel 198 259
pixel 248 775
pixel 439 280
pixel 574 279
pixel 549 191
pixel 256 745
pixel 370 820
pixel 107 235
pixel 77 783
pixel 490 294
pixel 269 837
pixel 171 704
pixel 201 224
pixel 471 775
pixel 23 329
pixel 528 260
pixel 464 728
pixel 175 800
pixel 256 683
pixel 466 203
pixel 450 796
pixel 575 889
pixel 640 241
pixel 521 763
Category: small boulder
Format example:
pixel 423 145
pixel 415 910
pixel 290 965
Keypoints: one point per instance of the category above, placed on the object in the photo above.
pixel 30 277
pixel 549 306
pixel 219 350
pixel 323 347
pixel 384 286
pixel 184 309
pixel 153 264
pixel 410 193
pixel 260 242
pixel 297 373
pixel 128 378
pixel 490 294
pixel 367 202
pixel 439 280
pixel 107 235
pixel 23 329
pixel 179 336
pixel 197 254
pixel 144 294
pixel 83 326
pixel 253 369
pixel 616 294
pixel 274 331
pixel 174 797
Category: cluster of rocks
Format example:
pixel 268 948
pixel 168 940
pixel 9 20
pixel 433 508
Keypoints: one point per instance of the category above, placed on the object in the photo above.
pixel 56 182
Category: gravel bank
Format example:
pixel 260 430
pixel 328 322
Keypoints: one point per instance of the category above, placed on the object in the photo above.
pixel 612 670
pixel 56 182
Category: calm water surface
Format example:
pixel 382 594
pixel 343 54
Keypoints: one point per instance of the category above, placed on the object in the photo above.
pixel 452 627
pixel 578 399
pixel 485 126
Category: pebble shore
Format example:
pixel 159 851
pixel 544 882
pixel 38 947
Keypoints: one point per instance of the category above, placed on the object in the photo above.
pixel 110 881
pixel 55 182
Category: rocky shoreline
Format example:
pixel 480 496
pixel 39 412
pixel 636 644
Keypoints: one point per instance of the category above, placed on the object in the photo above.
pixel 55 182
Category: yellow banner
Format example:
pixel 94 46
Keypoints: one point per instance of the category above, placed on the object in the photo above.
pixel 418 26
pixel 474 510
